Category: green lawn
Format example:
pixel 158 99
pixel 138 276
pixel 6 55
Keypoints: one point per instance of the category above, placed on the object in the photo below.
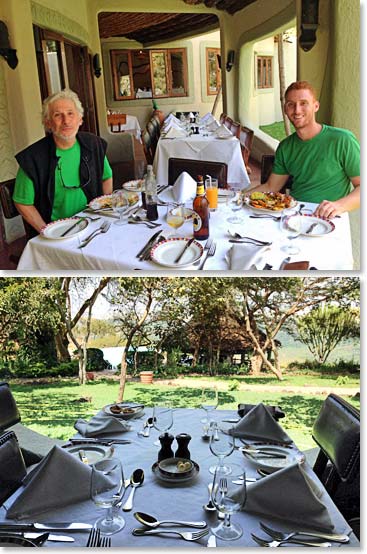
pixel 275 130
pixel 52 409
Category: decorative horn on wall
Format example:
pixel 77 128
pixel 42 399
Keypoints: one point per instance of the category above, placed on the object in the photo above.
pixel 230 60
pixel 309 24
pixel 9 54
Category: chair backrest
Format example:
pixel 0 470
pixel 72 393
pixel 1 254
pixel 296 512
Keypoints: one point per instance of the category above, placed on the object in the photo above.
pixel 159 115
pixel 9 413
pixel 235 129
pixel 267 162
pixel 147 145
pixel 120 147
pixel 6 194
pixel 228 122
pixel 194 168
pixel 246 137
pixel 222 117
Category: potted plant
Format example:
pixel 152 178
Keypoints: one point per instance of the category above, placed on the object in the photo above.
pixel 146 377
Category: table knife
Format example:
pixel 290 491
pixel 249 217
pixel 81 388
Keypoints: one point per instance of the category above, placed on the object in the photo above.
pixel 311 228
pixel 105 441
pixel 148 245
pixel 184 250
pixel 72 227
pixel 53 538
pixel 46 526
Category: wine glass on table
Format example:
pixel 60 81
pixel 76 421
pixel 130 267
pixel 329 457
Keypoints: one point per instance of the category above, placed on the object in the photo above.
pixel 290 225
pixel 209 402
pixel 229 496
pixel 221 444
pixel 175 217
pixel 235 204
pixel 120 204
pixel 162 419
pixel 107 488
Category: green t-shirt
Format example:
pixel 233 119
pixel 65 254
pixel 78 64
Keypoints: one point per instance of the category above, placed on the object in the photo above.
pixel 67 201
pixel 322 166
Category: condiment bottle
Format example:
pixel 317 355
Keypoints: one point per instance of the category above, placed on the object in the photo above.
pixel 201 209
pixel 183 451
pixel 166 451
pixel 151 194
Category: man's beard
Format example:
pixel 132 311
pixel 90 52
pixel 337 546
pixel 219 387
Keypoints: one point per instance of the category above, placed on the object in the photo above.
pixel 65 138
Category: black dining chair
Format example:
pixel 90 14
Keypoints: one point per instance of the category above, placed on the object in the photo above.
pixel 337 433
pixel 194 168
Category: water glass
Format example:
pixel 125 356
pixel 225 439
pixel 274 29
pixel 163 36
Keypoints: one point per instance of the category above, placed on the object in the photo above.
pixel 107 488
pixel 175 217
pixel 290 225
pixel 221 444
pixel 120 204
pixel 162 419
pixel 229 496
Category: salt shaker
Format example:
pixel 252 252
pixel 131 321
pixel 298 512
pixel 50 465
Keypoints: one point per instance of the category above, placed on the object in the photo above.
pixel 182 451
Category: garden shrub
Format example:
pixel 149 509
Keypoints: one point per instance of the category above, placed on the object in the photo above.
pixel 339 366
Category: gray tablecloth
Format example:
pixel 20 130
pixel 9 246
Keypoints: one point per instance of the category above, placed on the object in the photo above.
pixel 184 501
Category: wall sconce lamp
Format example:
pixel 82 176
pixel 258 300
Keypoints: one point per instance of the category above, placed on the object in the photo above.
pixel 9 54
pixel 97 66
pixel 230 60
pixel 309 24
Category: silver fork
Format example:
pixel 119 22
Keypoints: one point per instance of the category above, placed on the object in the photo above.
pixel 279 535
pixel 102 229
pixel 186 535
pixel 105 542
pixel 93 538
pixel 210 252
pixel 273 543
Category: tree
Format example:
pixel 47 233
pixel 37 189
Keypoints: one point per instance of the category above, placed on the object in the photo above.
pixel 280 38
pixel 324 327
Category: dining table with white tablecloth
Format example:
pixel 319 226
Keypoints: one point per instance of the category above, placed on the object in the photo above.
pixel 175 499
pixel 131 126
pixel 117 249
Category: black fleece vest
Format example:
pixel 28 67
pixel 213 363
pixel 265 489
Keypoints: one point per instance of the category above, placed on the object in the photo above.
pixel 39 162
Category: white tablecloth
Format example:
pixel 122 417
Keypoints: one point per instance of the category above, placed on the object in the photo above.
pixel 198 147
pixel 131 126
pixel 116 250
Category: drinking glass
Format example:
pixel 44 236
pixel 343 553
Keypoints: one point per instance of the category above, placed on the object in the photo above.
pixel 221 444
pixel 235 204
pixel 209 402
pixel 211 191
pixel 290 224
pixel 229 496
pixel 162 419
pixel 120 204
pixel 175 217
pixel 107 488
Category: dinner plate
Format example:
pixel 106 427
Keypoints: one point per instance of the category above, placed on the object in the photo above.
pixel 268 210
pixel 106 201
pixel 174 479
pixel 273 464
pixel 129 410
pixel 179 468
pixel 322 227
pixel 165 252
pixel 134 186
pixel 9 539
pixel 55 229
pixel 93 452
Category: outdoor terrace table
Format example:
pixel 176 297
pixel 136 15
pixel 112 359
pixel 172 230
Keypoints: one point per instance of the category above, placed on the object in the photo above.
pixel 116 250
pixel 178 501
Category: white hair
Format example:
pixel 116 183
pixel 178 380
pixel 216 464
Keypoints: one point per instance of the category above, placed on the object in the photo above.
pixel 65 94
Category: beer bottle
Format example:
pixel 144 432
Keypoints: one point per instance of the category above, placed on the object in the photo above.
pixel 201 209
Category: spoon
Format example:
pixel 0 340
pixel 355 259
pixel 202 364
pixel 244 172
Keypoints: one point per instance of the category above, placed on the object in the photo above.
pixel 209 507
pixel 301 206
pixel 137 479
pixel 152 522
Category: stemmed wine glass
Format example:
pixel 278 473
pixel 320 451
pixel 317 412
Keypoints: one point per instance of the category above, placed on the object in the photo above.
pixel 221 444
pixel 120 205
pixel 235 203
pixel 107 488
pixel 229 496
pixel 290 224
pixel 209 402
pixel 162 419
pixel 175 217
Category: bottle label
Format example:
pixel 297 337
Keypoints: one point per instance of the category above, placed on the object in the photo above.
pixel 197 221
pixel 200 191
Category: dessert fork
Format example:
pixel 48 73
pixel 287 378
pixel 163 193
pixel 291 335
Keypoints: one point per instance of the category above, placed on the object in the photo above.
pixel 274 543
pixel 186 535
pixel 102 229
pixel 210 252
pixel 279 535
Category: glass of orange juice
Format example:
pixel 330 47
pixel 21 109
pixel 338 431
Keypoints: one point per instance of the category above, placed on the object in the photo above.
pixel 211 191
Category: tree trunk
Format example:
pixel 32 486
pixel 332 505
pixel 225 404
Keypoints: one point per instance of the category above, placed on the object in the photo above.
pixel 256 363
pixel 282 82
pixel 62 343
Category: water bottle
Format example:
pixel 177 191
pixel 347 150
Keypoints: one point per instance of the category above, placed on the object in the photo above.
pixel 151 194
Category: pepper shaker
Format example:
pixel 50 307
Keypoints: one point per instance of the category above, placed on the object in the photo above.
pixel 182 451
pixel 166 451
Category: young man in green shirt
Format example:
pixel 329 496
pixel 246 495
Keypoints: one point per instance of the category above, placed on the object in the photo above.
pixel 324 161
pixel 63 171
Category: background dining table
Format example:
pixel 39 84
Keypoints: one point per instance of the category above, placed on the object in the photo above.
pixel 199 147
pixel 117 249
pixel 183 501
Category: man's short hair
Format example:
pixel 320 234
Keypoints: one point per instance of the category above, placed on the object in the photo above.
pixel 65 94
pixel 301 85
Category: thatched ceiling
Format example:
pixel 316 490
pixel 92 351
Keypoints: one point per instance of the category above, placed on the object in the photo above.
pixel 230 6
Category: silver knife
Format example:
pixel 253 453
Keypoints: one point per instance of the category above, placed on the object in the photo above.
pixel 46 526
pixel 54 538
pixel 311 228
pixel 184 250
pixel 212 541
pixel 106 442
pixel 72 227
pixel 148 244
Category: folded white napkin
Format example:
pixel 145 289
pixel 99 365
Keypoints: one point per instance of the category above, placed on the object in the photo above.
pixel 258 424
pixel 175 133
pixel 292 496
pixel 58 480
pixel 207 118
pixel 171 125
pixel 212 125
pixel 245 256
pixel 184 188
pixel 101 424
pixel 171 117
pixel 223 132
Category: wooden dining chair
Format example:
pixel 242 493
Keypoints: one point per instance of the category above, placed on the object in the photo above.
pixel 9 212
pixel 194 168
pixel 336 430
pixel 222 118
pixel 160 116
pixel 228 122
pixel 235 129
pixel 267 162
pixel 246 138
pixel 147 145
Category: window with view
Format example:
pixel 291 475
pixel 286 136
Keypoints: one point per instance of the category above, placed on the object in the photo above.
pixel 149 73
pixel 213 74
pixel 264 71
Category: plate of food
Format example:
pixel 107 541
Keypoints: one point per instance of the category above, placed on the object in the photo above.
pixel 269 201
pixel 171 474
pixel 271 457
pixel 134 186
pixel 66 228
pixel 89 453
pixel 166 252
pixel 105 202
pixel 124 410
